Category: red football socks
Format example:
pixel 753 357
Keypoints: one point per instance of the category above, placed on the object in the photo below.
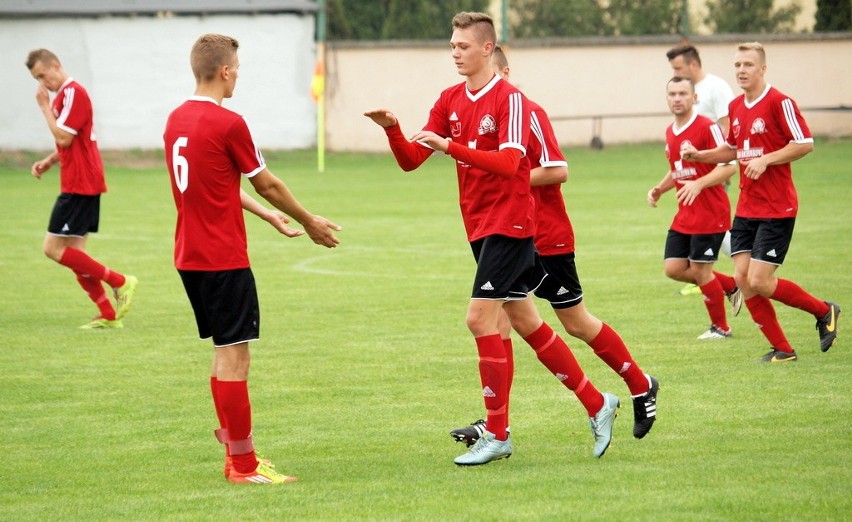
pixel 233 399
pixel 610 348
pixel 97 294
pixel 793 295
pixel 728 283
pixel 80 262
pixel 493 375
pixel 764 317
pixel 557 357
pixel 714 300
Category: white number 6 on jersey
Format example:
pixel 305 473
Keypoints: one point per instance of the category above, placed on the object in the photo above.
pixel 180 167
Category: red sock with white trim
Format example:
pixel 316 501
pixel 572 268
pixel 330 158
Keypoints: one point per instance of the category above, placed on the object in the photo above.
pixel 555 355
pixel 714 301
pixel 95 290
pixel 233 399
pixel 80 262
pixel 610 348
pixel 492 375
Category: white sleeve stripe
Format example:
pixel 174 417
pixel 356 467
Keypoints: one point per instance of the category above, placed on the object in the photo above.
pixel 67 102
pixel 717 134
pixel 792 122
pixel 515 118
pixel 535 126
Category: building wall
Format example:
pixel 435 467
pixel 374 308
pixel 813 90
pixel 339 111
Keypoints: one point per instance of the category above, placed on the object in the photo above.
pixel 574 82
pixel 137 70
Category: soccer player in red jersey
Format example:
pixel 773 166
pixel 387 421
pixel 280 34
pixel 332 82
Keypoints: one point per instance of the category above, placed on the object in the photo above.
pixel 696 233
pixel 209 149
pixel 81 171
pixel 767 134
pixel 560 286
pixel 483 123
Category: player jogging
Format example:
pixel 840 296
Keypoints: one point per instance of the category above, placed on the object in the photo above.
pixel 554 241
pixel 483 123
pixel 209 149
pixel 698 228
pixel 81 171
pixel 767 134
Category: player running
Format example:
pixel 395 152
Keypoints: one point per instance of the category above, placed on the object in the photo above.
pixel 699 226
pixel 767 134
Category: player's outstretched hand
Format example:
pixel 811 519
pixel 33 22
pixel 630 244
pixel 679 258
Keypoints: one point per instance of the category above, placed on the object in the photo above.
pixel 321 231
pixel 279 222
pixel 382 117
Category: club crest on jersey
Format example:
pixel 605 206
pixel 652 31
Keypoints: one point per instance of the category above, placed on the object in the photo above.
pixel 685 144
pixel 487 125
pixel 758 126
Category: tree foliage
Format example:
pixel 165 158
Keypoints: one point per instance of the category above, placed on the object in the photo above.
pixel 750 16
pixel 430 19
pixel 546 18
pixel 833 15
pixel 395 19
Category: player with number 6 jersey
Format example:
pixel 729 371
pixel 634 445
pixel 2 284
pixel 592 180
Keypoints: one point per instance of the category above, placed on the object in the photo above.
pixel 210 232
pixel 209 149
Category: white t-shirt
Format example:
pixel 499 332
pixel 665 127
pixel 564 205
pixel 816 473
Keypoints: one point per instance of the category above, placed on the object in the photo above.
pixel 714 95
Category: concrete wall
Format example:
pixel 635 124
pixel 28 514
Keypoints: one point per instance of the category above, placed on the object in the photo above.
pixel 137 70
pixel 573 80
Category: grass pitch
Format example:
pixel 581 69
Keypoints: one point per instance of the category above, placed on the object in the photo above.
pixel 365 363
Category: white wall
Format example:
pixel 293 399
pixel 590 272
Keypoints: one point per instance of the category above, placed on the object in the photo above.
pixel 137 70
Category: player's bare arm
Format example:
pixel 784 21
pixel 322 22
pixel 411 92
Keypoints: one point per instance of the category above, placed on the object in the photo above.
pixel 62 138
pixel 382 117
pixel 275 218
pixel 665 185
pixel 721 154
pixel 789 153
pixel 690 189
pixel 276 192
pixel 548 176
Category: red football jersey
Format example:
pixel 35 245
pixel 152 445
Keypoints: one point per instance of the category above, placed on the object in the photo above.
pixel 710 213
pixel 554 234
pixel 208 151
pixel 81 167
pixel 763 126
pixel 491 119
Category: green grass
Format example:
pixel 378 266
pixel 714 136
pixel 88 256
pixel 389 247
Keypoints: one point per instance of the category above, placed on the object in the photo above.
pixel 365 363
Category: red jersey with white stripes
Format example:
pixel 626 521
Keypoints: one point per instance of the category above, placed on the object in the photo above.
pixel 554 234
pixel 710 213
pixel 81 167
pixel 208 150
pixel 494 118
pixel 758 128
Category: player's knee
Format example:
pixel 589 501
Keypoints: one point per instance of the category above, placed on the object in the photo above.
pixel 53 252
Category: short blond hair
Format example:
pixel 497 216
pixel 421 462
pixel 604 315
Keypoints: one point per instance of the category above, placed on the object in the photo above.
pixel 498 58
pixel 754 46
pixel 481 22
pixel 40 55
pixel 209 53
